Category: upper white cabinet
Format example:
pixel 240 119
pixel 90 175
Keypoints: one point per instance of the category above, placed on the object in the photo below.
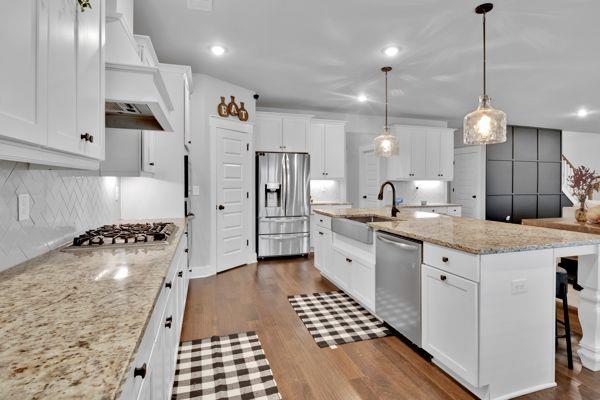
pixel 327 148
pixel 282 132
pixel 426 153
pixel 24 65
pixel 52 91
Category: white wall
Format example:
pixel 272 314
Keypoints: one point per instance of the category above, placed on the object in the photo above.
pixel 583 149
pixel 206 97
pixel 161 196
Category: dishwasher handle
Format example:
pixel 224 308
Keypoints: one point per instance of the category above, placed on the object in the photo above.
pixel 401 245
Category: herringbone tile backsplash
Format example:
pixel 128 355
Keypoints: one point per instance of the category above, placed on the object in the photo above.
pixel 63 204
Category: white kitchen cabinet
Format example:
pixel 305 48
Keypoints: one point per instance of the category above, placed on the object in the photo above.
pixel 129 153
pixel 327 148
pixel 362 283
pixel 187 128
pixel 341 267
pixel 148 151
pixel 323 249
pixel 282 132
pixel 53 94
pixel 426 153
pixel 450 321
pixel 24 70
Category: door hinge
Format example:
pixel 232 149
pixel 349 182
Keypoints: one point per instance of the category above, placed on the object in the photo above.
pixel 247 146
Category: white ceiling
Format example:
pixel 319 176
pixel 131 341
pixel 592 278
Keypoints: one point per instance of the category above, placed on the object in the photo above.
pixel 543 55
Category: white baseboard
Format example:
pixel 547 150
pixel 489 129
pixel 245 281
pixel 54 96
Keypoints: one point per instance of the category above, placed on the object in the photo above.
pixel 202 272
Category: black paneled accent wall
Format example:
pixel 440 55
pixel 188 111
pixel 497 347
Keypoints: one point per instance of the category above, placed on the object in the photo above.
pixel 524 175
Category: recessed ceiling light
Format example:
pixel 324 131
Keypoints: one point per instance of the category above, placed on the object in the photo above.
pixel 390 51
pixel 362 98
pixel 218 50
pixel 582 113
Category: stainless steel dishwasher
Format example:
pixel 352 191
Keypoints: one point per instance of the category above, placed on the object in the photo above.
pixel 398 284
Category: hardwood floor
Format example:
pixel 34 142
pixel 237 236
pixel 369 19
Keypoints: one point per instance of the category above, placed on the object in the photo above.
pixel 254 297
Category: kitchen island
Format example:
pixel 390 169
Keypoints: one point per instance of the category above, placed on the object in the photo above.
pixel 74 323
pixel 487 290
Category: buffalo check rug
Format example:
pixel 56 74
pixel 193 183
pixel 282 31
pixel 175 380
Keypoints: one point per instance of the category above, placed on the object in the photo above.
pixel 334 318
pixel 224 367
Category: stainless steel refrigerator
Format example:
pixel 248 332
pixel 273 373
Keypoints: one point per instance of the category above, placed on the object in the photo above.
pixel 283 204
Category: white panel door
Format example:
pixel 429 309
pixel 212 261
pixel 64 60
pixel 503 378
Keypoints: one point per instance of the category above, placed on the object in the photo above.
pixel 295 135
pixel 432 154
pixel 467 182
pixel 450 321
pixel 268 133
pixel 335 152
pixel 418 159
pixel 447 154
pixel 316 151
pixel 23 63
pixel 369 179
pixel 62 77
pixel 90 102
pixel 233 177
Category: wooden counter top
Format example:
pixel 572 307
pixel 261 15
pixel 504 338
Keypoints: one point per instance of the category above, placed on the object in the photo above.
pixel 566 224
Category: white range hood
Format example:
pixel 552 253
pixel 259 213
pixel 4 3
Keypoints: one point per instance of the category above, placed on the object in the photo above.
pixel 135 95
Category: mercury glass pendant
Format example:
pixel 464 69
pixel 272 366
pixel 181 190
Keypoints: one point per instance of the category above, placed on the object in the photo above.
pixel 485 125
pixel 386 144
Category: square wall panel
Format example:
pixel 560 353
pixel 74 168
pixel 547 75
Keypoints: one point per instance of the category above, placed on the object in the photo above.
pixel 549 177
pixel 499 177
pixel 524 206
pixel 525 144
pixel 549 206
pixel 549 145
pixel 525 177
pixel 501 151
pixel 499 208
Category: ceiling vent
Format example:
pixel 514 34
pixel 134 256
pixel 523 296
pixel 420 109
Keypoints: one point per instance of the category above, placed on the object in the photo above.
pixel 201 5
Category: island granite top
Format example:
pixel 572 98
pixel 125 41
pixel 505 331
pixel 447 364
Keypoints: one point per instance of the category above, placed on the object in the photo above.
pixel 71 321
pixel 466 234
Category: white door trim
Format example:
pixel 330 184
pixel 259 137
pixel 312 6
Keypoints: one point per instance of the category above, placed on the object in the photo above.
pixel 214 123
pixel 481 181
pixel 361 150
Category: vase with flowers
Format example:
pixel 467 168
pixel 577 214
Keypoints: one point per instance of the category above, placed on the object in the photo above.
pixel 583 182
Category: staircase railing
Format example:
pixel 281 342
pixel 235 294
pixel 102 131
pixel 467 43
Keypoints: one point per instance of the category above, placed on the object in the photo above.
pixel 567 171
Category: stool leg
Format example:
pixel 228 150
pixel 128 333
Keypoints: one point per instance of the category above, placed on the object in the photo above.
pixel 567 329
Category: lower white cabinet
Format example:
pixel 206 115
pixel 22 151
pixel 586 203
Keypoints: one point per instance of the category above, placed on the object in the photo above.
pixel 450 321
pixel 362 283
pixel 322 242
pixel 152 372
pixel 341 266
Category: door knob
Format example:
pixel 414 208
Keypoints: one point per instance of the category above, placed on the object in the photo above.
pixel 364 197
pixel 474 196
pixel 221 207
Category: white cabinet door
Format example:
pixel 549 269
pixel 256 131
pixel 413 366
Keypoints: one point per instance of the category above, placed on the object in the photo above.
pixel 335 151
pixel 268 133
pixel 450 321
pixel 295 134
pixel 148 151
pixel 362 283
pixel 187 130
pixel 342 267
pixel 432 154
pixel 316 151
pixel 399 167
pixel 418 159
pixel 319 250
pixel 447 155
pixel 90 69
pixel 24 61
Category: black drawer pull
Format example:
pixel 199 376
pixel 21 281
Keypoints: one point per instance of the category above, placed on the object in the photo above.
pixel 348 260
pixel 445 259
pixel 187 250
pixel 140 371
pixel 168 322
pixel 443 277
pixel 180 274
pixel 321 233
pixel 168 285
pixel 321 220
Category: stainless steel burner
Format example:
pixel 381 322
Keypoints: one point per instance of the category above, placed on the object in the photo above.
pixel 125 235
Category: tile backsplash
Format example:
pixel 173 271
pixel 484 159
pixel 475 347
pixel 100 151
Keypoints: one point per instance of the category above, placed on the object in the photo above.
pixel 62 203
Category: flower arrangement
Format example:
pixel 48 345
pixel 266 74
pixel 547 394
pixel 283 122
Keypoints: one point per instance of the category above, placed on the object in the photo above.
pixel 84 4
pixel 583 182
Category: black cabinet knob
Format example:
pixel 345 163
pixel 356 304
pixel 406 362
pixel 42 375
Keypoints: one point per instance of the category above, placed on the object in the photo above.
pixel 180 274
pixel 187 250
pixel 364 197
pixel 152 164
pixel 445 259
pixel 320 233
pixel 221 207
pixel 443 277
pixel 140 371
pixel 168 285
pixel 86 136
pixel 348 260
pixel 168 322
pixel 91 139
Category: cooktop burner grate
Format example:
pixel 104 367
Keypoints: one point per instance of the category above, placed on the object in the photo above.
pixel 126 234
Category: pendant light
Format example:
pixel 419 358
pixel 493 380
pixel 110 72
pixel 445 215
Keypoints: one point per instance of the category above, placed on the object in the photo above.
pixel 485 125
pixel 386 144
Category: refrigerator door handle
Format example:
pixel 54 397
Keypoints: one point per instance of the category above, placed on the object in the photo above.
pixel 284 177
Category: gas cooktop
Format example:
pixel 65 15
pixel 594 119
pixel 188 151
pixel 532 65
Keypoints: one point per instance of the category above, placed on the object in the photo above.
pixel 122 235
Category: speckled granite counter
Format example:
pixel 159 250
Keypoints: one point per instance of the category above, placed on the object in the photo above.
pixel 70 322
pixel 428 205
pixel 329 203
pixel 470 235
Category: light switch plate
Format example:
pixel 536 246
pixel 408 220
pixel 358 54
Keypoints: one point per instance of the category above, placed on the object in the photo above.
pixel 195 190
pixel 24 206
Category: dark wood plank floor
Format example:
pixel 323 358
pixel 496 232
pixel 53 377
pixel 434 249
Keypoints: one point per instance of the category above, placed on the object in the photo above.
pixel 254 297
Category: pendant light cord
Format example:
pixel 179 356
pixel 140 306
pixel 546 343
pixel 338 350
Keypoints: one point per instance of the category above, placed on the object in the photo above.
pixel 386 101
pixel 484 57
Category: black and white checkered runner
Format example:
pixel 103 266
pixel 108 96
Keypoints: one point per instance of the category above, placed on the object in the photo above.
pixel 334 318
pixel 225 367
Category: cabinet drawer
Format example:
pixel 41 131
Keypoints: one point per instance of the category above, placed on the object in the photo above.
pixel 323 221
pixel 454 211
pixel 456 262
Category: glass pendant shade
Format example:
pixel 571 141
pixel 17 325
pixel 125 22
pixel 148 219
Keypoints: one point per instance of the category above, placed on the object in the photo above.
pixel 386 144
pixel 486 125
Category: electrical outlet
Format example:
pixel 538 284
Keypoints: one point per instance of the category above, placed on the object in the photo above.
pixel 195 190
pixel 24 206
pixel 518 286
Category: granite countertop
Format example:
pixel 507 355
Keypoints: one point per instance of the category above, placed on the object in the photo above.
pixel 71 321
pixel 428 205
pixel 568 224
pixel 466 234
pixel 330 203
